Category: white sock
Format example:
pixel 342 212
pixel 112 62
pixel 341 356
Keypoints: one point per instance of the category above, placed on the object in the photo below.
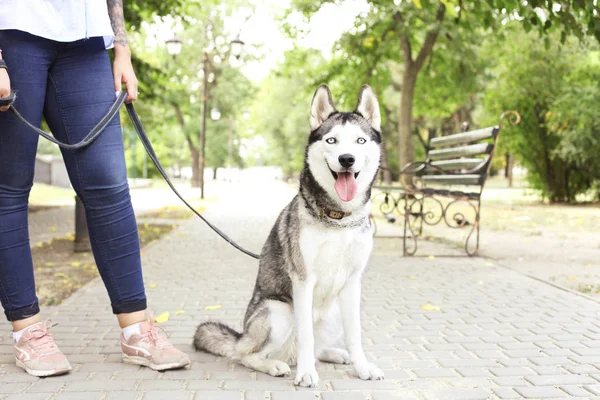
pixel 17 335
pixel 130 330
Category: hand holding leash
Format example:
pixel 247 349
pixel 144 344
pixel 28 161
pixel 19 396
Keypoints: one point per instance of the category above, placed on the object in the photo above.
pixel 6 97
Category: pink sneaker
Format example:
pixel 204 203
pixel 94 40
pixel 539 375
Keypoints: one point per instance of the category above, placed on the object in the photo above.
pixel 152 349
pixel 37 353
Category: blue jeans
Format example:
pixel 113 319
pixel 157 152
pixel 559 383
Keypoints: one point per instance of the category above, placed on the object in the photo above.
pixel 71 85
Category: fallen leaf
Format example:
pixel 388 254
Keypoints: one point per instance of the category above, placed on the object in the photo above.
pixel 488 264
pixel 480 283
pixel 572 278
pixel 76 264
pixel 411 277
pixel 378 275
pixel 179 312
pixel 52 229
pixel 212 308
pixel 152 286
pixel 589 265
pixel 164 317
pixel 429 307
pixel 49 264
pixel 431 257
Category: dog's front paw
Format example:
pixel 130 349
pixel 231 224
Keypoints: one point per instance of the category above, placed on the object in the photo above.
pixel 368 371
pixel 307 378
pixel 279 369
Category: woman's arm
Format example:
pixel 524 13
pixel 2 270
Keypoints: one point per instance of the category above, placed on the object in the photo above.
pixel 122 68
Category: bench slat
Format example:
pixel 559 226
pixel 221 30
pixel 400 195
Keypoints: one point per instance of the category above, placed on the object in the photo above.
pixel 471 179
pixel 455 164
pixel 462 151
pixel 465 137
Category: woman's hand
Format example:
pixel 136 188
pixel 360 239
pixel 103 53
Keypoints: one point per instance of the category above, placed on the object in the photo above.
pixel 4 86
pixel 124 74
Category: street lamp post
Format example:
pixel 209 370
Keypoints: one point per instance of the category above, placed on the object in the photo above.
pixel 236 45
pixel 203 131
pixel 174 46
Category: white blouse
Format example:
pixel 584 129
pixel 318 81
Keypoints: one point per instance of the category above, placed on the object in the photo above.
pixel 59 20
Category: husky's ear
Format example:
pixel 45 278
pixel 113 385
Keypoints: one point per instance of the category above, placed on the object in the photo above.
pixel 368 107
pixel 321 107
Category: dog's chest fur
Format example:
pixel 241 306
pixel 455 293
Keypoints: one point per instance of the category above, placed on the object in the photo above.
pixel 330 257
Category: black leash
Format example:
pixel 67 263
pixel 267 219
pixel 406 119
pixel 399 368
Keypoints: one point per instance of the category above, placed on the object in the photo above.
pixel 99 128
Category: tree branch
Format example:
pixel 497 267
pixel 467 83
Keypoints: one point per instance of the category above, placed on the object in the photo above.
pixel 404 41
pixel 431 37
pixel 179 115
pixel 181 121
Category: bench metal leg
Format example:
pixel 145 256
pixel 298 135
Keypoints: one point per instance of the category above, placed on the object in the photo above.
pixel 476 226
pixel 408 205
pixel 406 216
pixel 421 215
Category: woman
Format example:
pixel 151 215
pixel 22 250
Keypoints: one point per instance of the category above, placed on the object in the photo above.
pixel 55 54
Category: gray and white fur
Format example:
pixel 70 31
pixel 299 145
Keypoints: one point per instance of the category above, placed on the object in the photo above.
pixel 306 301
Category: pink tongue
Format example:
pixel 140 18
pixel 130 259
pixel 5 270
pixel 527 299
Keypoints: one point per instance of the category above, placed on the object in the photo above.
pixel 345 186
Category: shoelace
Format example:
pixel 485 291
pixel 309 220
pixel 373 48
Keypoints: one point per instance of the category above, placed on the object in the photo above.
pixel 40 339
pixel 154 335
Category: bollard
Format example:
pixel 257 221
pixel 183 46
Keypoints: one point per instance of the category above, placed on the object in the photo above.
pixel 82 236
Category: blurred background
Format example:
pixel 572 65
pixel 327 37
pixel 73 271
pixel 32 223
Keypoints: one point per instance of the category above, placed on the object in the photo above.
pixel 253 66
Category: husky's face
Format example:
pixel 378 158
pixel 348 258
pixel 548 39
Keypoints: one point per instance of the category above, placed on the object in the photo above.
pixel 344 150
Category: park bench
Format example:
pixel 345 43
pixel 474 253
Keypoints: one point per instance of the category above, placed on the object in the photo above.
pixel 454 172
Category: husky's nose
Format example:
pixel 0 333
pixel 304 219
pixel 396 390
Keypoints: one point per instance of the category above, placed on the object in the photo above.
pixel 346 160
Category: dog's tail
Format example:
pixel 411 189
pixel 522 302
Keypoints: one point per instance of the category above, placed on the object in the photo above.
pixel 216 338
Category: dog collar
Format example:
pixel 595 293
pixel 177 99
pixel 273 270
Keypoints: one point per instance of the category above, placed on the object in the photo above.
pixel 333 214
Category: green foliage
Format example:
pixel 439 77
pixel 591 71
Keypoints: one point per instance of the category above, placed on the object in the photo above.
pixel 575 118
pixel 392 36
pixel 546 86
pixel 281 113
pixel 170 101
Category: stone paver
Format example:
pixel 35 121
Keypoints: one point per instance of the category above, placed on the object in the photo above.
pixel 498 334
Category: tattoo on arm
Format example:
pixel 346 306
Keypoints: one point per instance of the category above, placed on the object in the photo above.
pixel 117 20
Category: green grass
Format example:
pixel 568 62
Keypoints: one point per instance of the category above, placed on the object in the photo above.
pixel 47 194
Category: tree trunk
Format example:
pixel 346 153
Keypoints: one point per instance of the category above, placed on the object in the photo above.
pixel 215 173
pixel 385 166
pixel 195 166
pixel 406 148
pixel 509 169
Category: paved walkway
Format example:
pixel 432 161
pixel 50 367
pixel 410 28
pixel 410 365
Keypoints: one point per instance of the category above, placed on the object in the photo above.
pixel 497 334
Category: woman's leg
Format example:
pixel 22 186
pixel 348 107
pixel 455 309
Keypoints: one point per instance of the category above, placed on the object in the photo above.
pixel 28 62
pixel 80 91
pixel 28 59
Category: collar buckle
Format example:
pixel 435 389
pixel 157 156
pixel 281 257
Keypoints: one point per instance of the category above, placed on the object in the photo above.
pixel 333 214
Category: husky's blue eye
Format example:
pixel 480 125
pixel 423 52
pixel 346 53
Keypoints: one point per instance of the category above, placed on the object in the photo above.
pixel 361 140
pixel 330 140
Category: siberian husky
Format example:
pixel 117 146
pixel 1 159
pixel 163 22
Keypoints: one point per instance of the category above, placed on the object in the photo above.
pixel 306 302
